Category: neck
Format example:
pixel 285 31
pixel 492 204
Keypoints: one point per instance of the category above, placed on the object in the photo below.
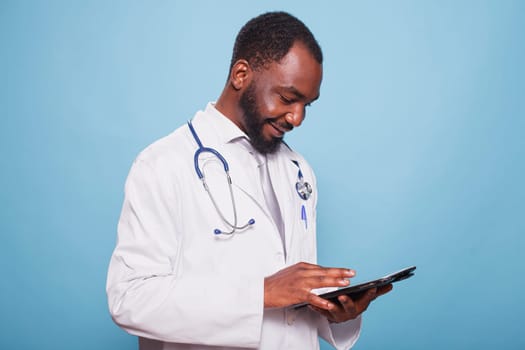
pixel 228 105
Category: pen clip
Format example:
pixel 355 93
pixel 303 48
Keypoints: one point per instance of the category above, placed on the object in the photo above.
pixel 303 216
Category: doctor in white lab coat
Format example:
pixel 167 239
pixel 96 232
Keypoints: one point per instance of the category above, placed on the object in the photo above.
pixel 175 283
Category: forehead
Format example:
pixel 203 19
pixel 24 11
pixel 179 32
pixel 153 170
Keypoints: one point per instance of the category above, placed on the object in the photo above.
pixel 298 70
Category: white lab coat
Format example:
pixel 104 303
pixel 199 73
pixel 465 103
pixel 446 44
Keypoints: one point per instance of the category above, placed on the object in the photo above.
pixel 176 284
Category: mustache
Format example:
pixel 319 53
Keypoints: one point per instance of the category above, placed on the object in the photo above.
pixel 281 124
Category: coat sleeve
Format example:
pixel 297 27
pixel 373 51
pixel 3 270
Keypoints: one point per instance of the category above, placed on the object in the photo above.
pixel 148 297
pixel 341 336
pixel 344 335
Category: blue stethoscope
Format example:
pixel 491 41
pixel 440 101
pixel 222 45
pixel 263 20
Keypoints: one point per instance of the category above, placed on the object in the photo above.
pixel 303 188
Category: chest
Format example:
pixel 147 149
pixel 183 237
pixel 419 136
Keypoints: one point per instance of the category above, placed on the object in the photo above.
pixel 259 246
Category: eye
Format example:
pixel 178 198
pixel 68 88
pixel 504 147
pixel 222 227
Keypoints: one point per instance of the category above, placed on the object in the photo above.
pixel 286 100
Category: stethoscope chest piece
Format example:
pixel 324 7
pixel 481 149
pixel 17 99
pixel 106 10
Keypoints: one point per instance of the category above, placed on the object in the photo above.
pixel 304 189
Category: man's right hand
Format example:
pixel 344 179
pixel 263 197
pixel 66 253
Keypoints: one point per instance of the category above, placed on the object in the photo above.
pixel 294 284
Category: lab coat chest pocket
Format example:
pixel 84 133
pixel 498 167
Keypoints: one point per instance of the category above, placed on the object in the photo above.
pixel 298 214
pixel 307 229
pixel 301 232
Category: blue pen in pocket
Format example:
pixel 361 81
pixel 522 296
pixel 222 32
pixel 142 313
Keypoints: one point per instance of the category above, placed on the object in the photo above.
pixel 303 216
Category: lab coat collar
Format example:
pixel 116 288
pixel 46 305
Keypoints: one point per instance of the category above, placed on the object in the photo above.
pixel 218 130
pixel 226 130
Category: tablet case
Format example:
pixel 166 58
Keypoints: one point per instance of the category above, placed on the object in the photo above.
pixel 355 292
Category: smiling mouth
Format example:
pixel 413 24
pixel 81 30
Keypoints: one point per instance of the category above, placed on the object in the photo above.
pixel 280 130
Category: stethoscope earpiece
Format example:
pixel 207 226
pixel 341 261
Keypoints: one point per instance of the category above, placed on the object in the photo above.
pixel 219 232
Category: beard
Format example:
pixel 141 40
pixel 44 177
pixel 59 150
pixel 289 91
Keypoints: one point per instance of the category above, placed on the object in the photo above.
pixel 254 123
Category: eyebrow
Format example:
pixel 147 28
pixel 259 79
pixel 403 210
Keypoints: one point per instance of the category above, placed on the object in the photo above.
pixel 298 94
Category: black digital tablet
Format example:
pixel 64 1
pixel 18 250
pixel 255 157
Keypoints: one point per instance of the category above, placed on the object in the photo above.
pixel 358 290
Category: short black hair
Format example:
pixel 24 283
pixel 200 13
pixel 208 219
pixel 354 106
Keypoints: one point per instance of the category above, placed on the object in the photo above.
pixel 268 38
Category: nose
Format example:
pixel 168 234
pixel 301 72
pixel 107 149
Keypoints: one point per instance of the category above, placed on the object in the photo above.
pixel 296 116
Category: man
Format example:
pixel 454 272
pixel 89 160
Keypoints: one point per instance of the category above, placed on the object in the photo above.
pixel 218 266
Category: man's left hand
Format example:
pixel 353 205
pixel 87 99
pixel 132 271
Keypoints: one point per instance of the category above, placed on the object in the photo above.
pixel 349 309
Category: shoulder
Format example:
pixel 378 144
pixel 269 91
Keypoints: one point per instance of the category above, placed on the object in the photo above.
pixel 162 168
pixel 173 147
pixel 165 161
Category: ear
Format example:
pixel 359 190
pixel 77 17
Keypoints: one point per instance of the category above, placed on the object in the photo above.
pixel 241 74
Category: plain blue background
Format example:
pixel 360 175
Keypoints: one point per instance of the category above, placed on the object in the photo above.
pixel 417 141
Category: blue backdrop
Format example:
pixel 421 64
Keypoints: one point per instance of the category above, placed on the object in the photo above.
pixel 417 141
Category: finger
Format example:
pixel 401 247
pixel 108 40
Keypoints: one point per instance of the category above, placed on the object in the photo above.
pixel 323 312
pixel 348 304
pixel 327 277
pixel 326 313
pixel 334 272
pixel 320 303
pixel 384 289
pixel 310 270
pixel 363 302
pixel 343 311
pixel 307 266
pixel 315 282
pixel 370 295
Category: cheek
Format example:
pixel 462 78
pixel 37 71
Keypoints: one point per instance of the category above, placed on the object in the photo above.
pixel 270 106
pixel 267 102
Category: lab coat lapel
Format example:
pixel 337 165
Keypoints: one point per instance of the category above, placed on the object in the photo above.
pixel 245 174
pixel 247 171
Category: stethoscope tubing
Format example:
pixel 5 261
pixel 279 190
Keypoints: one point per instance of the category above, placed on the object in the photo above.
pixel 233 227
pixel 303 188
